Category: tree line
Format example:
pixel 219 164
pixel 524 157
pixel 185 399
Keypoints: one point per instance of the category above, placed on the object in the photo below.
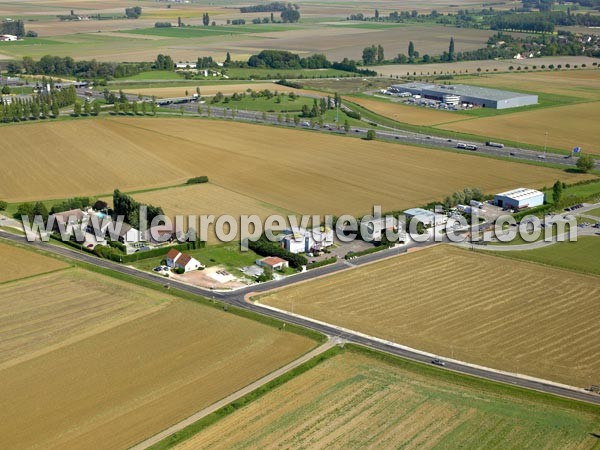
pixel 14 27
pixel 269 7
pixel 265 247
pixel 124 205
pixel 38 107
pixel 282 59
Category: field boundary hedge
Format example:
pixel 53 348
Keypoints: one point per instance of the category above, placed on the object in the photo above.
pixel 325 262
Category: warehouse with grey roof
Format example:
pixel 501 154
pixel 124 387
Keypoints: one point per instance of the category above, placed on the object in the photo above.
pixel 479 96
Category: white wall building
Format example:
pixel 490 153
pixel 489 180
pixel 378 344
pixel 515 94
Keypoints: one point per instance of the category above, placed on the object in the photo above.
pixel 519 199
pixel 428 218
pixel 128 234
pixel 177 260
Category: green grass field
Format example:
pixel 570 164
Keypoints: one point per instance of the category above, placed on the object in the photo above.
pixel 594 212
pixel 366 25
pixel 580 256
pixel 201 31
pixel 275 74
pixel 228 255
pixel 154 75
pixel 270 105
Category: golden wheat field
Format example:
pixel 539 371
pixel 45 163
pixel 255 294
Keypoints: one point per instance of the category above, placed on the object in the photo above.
pixel 567 127
pixel 356 401
pixel 291 169
pixel 21 263
pixel 575 83
pixel 207 199
pixel 400 112
pixel 87 361
pixel 482 309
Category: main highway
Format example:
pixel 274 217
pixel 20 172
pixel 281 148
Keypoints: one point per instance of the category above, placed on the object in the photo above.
pixel 383 132
pixel 237 299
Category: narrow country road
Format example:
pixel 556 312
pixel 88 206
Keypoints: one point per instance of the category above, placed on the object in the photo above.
pixel 237 299
pixel 235 396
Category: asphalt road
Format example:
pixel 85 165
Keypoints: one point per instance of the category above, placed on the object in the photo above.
pixel 383 133
pixel 236 299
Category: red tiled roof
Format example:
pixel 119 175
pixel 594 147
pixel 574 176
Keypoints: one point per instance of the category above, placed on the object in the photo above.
pixel 273 260
pixel 184 259
pixel 173 254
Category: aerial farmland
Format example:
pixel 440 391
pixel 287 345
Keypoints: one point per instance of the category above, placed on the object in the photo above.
pixel 476 318
pixel 67 333
pixel 335 403
pixel 191 246
pixel 99 157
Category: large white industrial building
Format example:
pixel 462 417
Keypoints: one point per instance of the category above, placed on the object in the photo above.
pixel 475 95
pixel 519 199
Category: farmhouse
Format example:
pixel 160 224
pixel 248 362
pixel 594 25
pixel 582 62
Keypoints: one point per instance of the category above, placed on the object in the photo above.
pixel 71 217
pixel 177 260
pixel 304 241
pixel 186 65
pixel 519 199
pixel 479 96
pixel 128 234
pixel 274 262
pixel 428 218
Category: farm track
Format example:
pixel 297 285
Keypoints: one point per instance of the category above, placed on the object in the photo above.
pixel 237 299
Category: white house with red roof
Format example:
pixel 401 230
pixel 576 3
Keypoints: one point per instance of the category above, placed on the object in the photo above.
pixel 177 260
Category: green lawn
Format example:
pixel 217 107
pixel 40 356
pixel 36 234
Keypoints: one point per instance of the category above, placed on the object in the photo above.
pixel 201 31
pixel 594 212
pixel 579 190
pixel 580 256
pixel 273 74
pixel 154 75
pixel 367 25
pixel 286 106
pixel 269 105
pixel 228 255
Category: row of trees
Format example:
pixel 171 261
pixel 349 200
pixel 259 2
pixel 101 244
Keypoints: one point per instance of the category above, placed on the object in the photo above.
pixel 41 106
pixel 67 66
pixel 264 247
pixel 269 7
pixel 14 27
pixel 281 59
pixel 21 110
pixel 124 205
pixel 541 21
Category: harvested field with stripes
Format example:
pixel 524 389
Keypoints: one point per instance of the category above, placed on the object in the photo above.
pixel 301 171
pixel 483 309
pixel 88 361
pixel 572 125
pixel 353 400
pixel 24 263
